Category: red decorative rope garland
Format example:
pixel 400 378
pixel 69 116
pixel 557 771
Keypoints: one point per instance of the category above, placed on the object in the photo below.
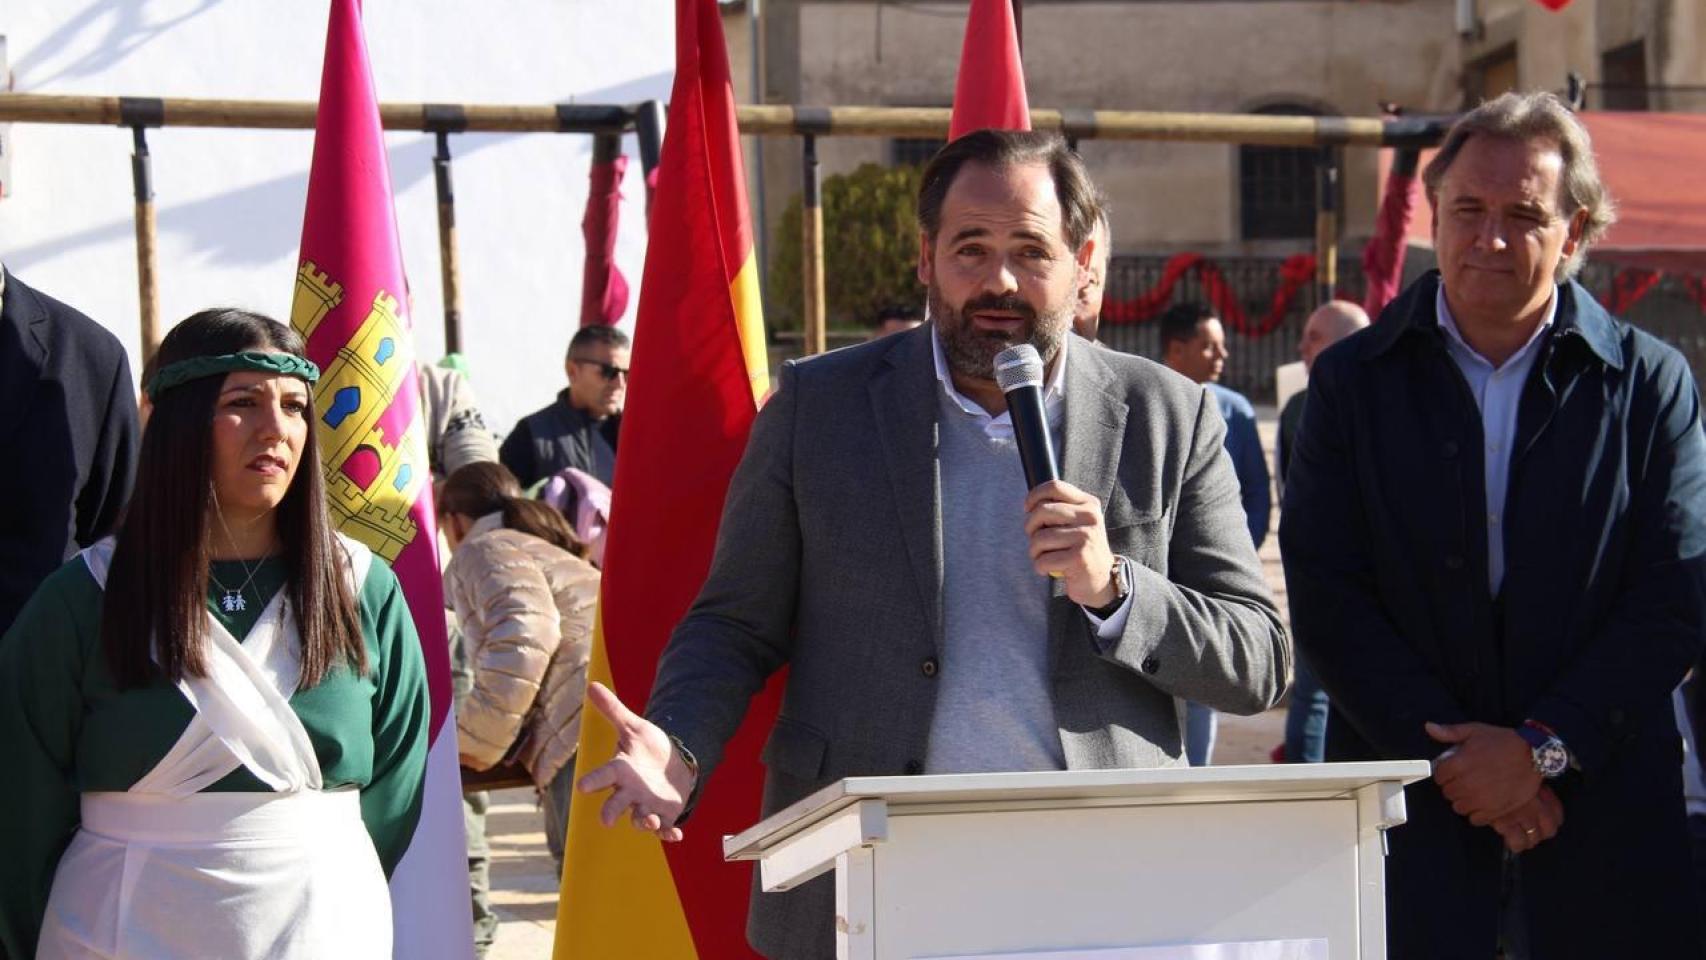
pixel 1295 272
pixel 1632 284
pixel 1628 286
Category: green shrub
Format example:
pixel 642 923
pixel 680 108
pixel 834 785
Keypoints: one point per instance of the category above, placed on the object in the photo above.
pixel 870 252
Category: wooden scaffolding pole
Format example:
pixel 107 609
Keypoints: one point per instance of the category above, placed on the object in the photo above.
pixel 755 120
pixel 811 238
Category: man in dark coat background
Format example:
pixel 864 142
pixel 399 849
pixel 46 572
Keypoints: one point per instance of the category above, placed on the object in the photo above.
pixel 68 437
pixel 1494 538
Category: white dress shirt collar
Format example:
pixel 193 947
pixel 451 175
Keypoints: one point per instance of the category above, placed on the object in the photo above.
pixel 1054 390
pixel 1448 323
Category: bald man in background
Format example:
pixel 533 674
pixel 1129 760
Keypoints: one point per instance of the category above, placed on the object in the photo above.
pixel 1330 323
pixel 1306 716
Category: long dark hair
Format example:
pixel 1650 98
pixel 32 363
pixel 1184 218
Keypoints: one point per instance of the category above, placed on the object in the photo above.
pixel 481 488
pixel 154 611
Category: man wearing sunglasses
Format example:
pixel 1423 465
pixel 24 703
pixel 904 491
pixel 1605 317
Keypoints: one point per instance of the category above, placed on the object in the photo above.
pixel 579 428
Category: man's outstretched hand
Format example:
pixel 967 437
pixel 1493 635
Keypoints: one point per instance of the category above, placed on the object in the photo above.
pixel 652 782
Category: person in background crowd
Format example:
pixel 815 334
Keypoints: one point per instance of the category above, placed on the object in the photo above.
pixel 68 428
pixel 525 597
pixel 897 318
pixel 456 437
pixel 1331 322
pixel 1494 539
pixel 1306 714
pixel 579 429
pixel 1193 343
pixel 456 430
pixel 214 725
pixel 1087 317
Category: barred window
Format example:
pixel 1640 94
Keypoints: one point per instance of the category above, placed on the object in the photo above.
pixel 1276 186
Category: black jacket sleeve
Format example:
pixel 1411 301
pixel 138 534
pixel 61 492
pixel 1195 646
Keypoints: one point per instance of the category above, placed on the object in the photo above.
pixel 516 454
pixel 112 467
pixel 1374 677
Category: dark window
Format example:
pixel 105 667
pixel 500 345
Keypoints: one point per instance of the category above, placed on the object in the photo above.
pixel 1623 75
pixel 914 151
pixel 1276 186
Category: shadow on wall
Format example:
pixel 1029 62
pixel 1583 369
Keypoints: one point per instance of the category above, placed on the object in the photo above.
pixel 124 27
pixel 243 227
pixel 260 223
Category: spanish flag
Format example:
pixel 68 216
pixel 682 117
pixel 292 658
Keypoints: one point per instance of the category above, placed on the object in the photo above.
pixel 698 372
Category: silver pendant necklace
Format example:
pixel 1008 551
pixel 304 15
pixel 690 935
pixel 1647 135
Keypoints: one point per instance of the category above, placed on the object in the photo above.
pixel 232 601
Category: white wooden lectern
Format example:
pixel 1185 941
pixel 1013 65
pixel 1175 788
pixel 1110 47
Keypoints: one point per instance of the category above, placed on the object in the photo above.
pixel 1046 863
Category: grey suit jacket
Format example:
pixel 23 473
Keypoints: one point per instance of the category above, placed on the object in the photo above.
pixel 829 560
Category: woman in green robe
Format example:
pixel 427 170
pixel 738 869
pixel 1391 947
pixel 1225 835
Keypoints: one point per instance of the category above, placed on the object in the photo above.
pixel 214 725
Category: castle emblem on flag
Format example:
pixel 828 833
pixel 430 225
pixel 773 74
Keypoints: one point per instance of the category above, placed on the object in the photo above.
pixel 375 453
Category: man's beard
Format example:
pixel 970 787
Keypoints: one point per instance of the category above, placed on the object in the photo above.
pixel 971 352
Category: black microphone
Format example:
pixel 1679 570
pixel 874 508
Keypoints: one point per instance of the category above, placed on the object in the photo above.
pixel 1019 373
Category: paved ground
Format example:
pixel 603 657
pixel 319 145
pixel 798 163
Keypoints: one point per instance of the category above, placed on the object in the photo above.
pixel 524 882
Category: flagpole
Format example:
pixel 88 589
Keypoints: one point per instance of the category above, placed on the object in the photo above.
pixel 1326 224
pixel 811 240
pixel 147 253
pixel 450 269
pixel 649 123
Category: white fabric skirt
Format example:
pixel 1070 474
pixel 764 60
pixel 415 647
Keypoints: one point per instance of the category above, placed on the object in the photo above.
pixel 219 875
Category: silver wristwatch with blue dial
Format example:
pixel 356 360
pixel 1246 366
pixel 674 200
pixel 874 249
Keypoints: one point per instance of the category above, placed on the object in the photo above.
pixel 1551 757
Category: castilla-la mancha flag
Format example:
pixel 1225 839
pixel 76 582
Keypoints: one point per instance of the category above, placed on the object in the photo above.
pixel 698 371
pixel 351 306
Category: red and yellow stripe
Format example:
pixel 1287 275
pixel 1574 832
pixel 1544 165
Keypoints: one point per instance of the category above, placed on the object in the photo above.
pixel 699 368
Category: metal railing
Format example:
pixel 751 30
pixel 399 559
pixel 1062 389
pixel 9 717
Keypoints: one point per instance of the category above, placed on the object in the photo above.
pixel 1251 361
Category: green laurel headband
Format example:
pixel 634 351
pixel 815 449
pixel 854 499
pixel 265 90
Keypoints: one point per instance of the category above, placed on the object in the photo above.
pixel 282 364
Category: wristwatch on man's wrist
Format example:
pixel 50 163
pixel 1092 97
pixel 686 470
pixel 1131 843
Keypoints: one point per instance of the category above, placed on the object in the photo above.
pixel 1121 580
pixel 1551 757
pixel 687 758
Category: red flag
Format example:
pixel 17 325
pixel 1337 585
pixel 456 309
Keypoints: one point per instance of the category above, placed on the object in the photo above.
pixel 351 307
pixel 1554 5
pixel 698 368
pixel 604 291
pixel 1383 257
pixel 990 92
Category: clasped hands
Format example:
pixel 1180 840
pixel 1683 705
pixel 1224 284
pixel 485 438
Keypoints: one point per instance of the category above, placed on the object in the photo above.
pixel 1488 776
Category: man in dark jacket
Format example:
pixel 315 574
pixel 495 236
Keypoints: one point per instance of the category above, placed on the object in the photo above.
pixel 1495 538
pixel 579 429
pixel 68 436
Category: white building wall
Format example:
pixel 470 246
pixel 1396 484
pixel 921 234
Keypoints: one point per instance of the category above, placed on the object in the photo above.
pixel 230 202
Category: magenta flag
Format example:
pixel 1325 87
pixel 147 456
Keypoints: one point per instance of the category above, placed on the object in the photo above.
pixel 351 306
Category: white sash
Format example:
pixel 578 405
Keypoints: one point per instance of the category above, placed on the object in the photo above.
pixel 242 706
pixel 162 870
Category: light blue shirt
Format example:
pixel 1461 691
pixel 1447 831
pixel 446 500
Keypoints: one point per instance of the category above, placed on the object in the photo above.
pixel 1498 394
pixel 1244 446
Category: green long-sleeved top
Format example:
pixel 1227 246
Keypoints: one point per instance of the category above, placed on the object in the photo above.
pixel 66 728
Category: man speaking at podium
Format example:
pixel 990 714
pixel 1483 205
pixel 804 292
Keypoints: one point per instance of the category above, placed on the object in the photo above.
pixel 879 539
